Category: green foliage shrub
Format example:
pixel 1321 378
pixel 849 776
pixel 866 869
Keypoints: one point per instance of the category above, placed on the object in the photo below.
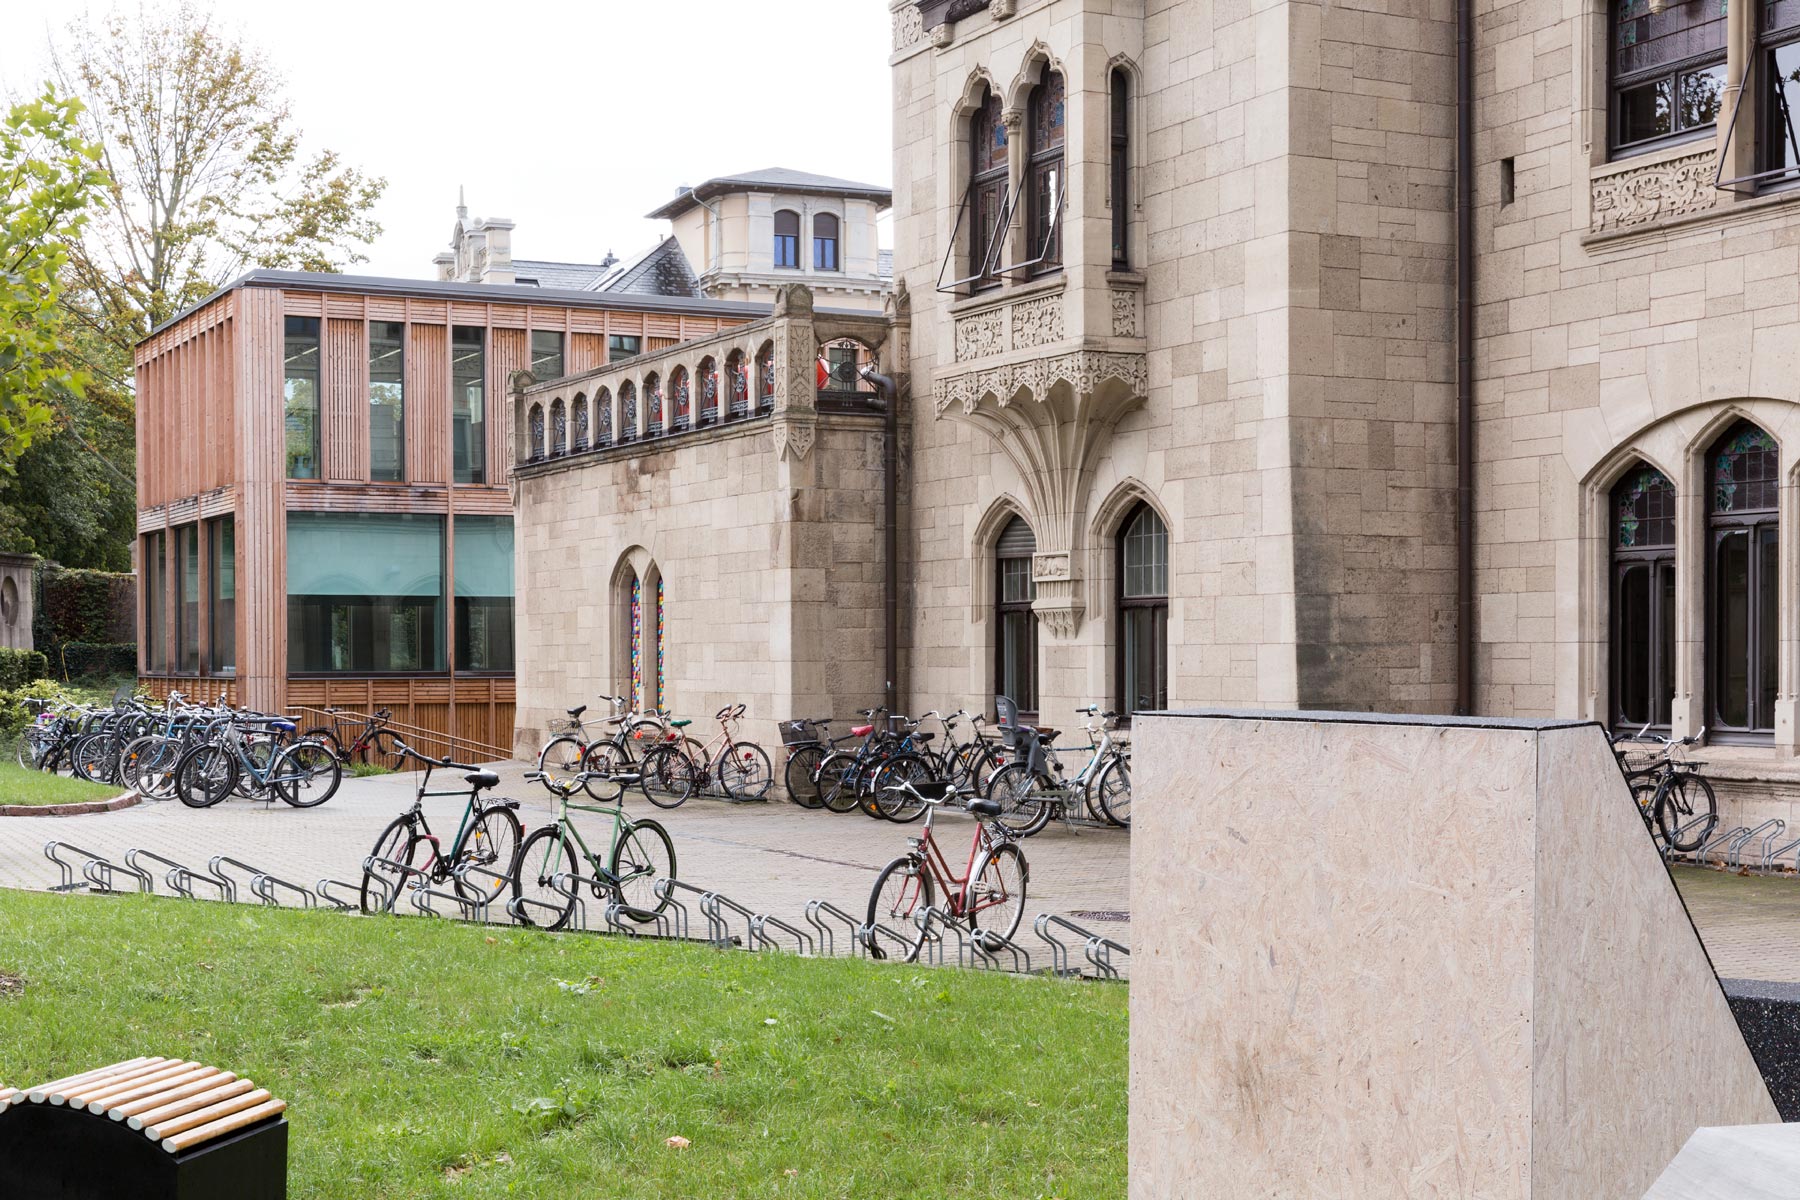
pixel 20 667
pixel 88 660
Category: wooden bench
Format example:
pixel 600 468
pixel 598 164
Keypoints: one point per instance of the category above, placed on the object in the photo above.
pixel 147 1127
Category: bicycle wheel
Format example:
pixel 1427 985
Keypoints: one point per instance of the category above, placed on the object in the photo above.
pixel 561 757
pixel 994 898
pixel 642 857
pixel 384 751
pixel 131 757
pixel 976 764
pixel 669 776
pixel 901 806
pixel 328 737
pixel 801 775
pixel 745 772
pixel 1643 794
pixel 1689 812
pixel 89 759
pixel 490 842
pixel 1114 792
pixel 306 774
pixel 902 890
pixel 1023 809
pixel 381 885
pixel 205 775
pixel 837 781
pixel 545 855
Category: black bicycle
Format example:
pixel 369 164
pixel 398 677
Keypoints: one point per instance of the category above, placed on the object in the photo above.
pixel 488 838
pixel 1675 800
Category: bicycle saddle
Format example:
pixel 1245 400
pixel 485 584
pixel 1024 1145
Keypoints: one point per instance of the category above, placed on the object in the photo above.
pixel 681 724
pixel 924 736
pixel 283 726
pixel 985 808
pixel 575 713
pixel 1046 736
pixel 481 779
pixel 862 731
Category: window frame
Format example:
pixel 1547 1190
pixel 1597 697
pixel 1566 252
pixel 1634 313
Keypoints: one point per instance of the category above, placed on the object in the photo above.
pixel 1675 72
pixel 1119 177
pixel 1722 525
pixel 990 186
pixel 1125 605
pixel 785 247
pixel 538 355
pixel 215 603
pixel 475 449
pixel 290 324
pixel 399 344
pixel 1047 162
pixel 1652 558
pixel 1004 608
pixel 1771 41
pixel 188 599
pixel 821 243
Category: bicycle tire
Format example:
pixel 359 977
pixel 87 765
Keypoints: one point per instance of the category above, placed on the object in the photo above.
pixel 1023 811
pixel 912 884
pixel 745 772
pixel 799 776
pixel 1678 810
pixel 837 781
pixel 605 757
pixel 539 865
pixel 1113 791
pixel 329 737
pixel 561 757
pixel 1004 869
pixel 643 855
pixel 668 776
pixel 384 750
pixel 493 841
pixel 301 765
pixel 396 843
pixel 89 758
pixel 205 775
pixel 902 807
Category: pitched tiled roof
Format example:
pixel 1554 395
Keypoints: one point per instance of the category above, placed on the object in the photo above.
pixel 575 276
pixel 663 270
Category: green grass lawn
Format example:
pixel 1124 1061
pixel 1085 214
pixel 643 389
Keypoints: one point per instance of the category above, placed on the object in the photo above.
pixel 425 1058
pixel 19 786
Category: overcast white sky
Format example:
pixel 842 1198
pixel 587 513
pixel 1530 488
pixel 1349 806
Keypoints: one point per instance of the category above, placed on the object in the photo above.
pixel 573 119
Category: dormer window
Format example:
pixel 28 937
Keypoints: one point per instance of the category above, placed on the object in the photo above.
pixel 787 240
pixel 825 242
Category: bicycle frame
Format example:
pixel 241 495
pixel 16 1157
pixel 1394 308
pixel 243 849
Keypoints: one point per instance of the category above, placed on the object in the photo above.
pixel 416 815
pixel 933 859
pixel 566 825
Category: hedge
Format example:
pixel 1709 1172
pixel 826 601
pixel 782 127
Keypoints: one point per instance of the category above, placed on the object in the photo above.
pixel 20 667
pixel 86 606
pixel 104 659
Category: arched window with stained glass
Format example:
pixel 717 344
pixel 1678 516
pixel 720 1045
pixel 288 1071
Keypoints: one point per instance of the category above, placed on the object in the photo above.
pixel 987 189
pixel 1643 598
pixel 579 421
pixel 653 405
pixel 709 391
pixel 535 423
pixel 635 617
pixel 559 428
pixel 603 418
pixel 627 411
pixel 737 377
pixel 765 377
pixel 1045 185
pixel 1743 581
pixel 680 398
pixel 662 646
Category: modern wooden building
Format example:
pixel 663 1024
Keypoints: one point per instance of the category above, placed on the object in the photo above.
pixel 323 501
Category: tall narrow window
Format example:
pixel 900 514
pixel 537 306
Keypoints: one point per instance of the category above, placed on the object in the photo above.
pixel 534 421
pixel 709 391
pixel 1744 473
pixel 825 242
pixel 1015 625
pixel 737 377
pixel 1643 599
pixel 222 612
pixel 484 593
pixel 578 423
pixel 1121 169
pixel 680 399
pixel 1668 71
pixel 765 378
pixel 155 576
pixel 634 615
pixel 1045 185
pixel 627 411
pixel 1780 118
pixel 468 403
pixel 365 592
pixel 987 190
pixel 662 646
pixel 1143 611
pixel 787 239
pixel 546 354
pixel 300 403
pixel 187 600
pixel 621 346
pixel 559 428
pixel 387 401
pixel 653 406
pixel 603 418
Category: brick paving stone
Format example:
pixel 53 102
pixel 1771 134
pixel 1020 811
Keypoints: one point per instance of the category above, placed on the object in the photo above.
pixel 1750 924
pixel 771 858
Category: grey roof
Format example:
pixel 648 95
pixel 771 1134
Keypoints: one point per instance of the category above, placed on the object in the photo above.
pixel 775 179
pixel 662 270
pixel 574 276
pixel 495 293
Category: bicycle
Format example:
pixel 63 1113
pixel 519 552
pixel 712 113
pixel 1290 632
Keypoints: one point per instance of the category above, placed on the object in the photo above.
pixel 640 855
pixel 302 774
pixel 1031 788
pixel 1672 797
pixel 374 742
pixel 680 767
pixel 989 895
pixel 487 834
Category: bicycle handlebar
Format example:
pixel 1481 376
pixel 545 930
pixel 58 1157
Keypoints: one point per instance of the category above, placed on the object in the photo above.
pixel 405 749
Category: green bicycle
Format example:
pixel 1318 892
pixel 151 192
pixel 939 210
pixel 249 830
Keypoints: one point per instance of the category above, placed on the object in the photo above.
pixel 639 857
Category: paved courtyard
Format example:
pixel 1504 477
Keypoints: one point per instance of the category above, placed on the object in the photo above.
pixel 771 858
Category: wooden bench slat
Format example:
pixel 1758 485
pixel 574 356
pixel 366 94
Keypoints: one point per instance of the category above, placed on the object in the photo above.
pixel 215 1080
pixel 78 1095
pixel 236 1087
pixel 112 1088
pixel 41 1092
pixel 138 1091
pixel 199 1117
pixel 217 1129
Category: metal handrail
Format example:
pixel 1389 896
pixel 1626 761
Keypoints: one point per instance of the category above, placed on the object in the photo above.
pixel 422 735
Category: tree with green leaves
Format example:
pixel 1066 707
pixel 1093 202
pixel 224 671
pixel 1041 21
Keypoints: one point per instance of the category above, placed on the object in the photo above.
pixel 48 177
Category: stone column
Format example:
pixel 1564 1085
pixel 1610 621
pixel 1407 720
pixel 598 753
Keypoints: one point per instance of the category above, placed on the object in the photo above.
pixel 800 539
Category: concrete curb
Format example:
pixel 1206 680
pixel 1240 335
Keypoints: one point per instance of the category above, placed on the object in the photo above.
pixel 69 810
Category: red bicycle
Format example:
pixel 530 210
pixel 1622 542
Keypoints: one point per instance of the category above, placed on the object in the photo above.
pixel 372 742
pixel 989 895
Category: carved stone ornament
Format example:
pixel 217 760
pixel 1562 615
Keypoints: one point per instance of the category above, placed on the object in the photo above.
pixel 1124 313
pixel 1063 620
pixel 1003 9
pixel 1047 567
pixel 1037 322
pixel 1083 370
pixel 943 35
pixel 979 335
pixel 1673 188
pixel 793 439
pixel 909 26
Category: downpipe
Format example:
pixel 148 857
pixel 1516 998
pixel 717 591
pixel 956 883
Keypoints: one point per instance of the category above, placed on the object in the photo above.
pixel 1465 358
pixel 890 535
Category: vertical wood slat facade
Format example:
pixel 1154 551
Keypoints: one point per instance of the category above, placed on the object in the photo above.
pixel 211 426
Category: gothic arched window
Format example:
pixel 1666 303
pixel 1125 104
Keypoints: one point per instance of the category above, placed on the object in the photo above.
pixel 1143 600
pixel 1743 472
pixel 1044 182
pixel 709 391
pixel 1643 598
pixel 627 411
pixel 536 422
pixel 680 400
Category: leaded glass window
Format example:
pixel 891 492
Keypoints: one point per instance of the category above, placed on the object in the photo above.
pixel 680 400
pixel 1143 600
pixel 1045 185
pixel 627 411
pixel 603 421
pixel 1743 563
pixel 653 406
pixel 1643 599
pixel 559 428
pixel 709 391
pixel 536 421
pixel 739 379
pixel 987 190
pixel 580 422
pixel 765 379
pixel 636 617
pixel 1668 69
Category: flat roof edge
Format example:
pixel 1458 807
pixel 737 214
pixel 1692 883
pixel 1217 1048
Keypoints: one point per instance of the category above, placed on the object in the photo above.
pixel 1335 717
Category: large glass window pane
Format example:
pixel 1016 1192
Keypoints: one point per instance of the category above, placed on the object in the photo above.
pixel 484 593
pixel 1731 627
pixel 1768 604
pixel 187 600
pixel 300 391
pixel 1145 652
pixel 787 239
pixel 365 592
pixel 825 242
pixel 621 346
pixel 154 574
pixel 1665 631
pixel 387 401
pixel 468 403
pixel 1646 111
pixel 1632 644
pixel 222 616
pixel 546 354
pixel 1783 106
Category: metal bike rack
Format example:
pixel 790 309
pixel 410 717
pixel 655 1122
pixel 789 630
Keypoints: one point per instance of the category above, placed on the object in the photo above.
pixel 931 945
pixel 324 888
pixel 93 873
pixel 391 891
pixel 618 915
pixel 817 909
pixel 497 879
pixel 571 884
pixel 986 946
pixel 423 895
pixel 803 942
pixel 719 925
pixel 876 932
pixel 215 867
pixel 99 873
pixel 1719 837
pixel 1670 854
pixel 175 869
pixel 674 910
pixel 1763 837
pixel 268 889
pixel 1097 948
pixel 666 889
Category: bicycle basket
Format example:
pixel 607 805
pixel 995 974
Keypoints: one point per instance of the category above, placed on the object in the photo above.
pixel 800 731
pixel 1641 760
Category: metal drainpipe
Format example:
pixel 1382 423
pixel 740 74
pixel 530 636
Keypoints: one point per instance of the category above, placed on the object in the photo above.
pixel 1465 357
pixel 890 504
